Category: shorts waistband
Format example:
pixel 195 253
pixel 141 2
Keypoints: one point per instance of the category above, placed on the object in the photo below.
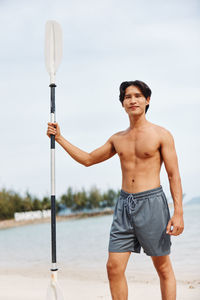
pixel 142 194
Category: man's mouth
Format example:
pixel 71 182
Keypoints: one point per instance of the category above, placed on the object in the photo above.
pixel 134 107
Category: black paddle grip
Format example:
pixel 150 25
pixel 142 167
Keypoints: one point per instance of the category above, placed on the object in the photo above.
pixel 52 110
pixel 53 227
pixel 52 87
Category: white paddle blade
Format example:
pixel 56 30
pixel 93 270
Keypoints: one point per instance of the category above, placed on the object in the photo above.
pixel 53 48
pixel 54 292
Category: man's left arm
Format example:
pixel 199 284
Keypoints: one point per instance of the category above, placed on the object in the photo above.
pixel 170 159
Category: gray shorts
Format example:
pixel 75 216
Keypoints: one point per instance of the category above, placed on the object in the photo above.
pixel 140 220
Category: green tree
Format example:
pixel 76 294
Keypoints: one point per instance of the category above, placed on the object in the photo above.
pixel 11 202
pixel 94 197
pixel 46 203
pixel 109 197
pixel 80 200
pixel 67 199
pixel 37 204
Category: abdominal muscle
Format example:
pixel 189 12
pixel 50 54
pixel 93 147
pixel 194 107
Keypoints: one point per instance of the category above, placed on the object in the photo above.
pixel 141 176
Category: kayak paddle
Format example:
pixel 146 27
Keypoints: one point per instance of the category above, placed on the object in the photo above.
pixel 53 55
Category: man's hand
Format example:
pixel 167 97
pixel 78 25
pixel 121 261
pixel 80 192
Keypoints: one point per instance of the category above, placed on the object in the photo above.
pixel 178 225
pixel 53 128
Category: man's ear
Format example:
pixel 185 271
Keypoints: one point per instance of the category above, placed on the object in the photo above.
pixel 147 100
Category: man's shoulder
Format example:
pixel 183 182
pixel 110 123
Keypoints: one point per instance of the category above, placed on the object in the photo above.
pixel 162 132
pixel 115 137
pixel 160 129
pixel 119 134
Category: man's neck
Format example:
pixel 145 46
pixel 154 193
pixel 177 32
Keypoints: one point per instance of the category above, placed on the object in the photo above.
pixel 137 122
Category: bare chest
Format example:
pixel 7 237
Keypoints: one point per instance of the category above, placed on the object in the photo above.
pixel 141 146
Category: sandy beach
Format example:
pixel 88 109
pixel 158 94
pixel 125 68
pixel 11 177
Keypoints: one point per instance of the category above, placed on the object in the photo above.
pixel 19 287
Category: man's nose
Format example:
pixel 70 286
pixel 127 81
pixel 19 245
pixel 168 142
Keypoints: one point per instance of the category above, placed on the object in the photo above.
pixel 132 100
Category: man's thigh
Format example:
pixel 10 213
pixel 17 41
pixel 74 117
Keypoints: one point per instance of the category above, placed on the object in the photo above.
pixel 118 260
pixel 162 263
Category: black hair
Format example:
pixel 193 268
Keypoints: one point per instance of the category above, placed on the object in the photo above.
pixel 143 87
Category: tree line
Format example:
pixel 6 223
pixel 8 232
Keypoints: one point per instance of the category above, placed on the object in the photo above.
pixel 11 201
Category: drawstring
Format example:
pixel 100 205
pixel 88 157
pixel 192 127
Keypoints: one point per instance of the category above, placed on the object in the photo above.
pixel 131 201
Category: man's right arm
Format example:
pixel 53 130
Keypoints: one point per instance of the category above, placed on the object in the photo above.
pixel 87 159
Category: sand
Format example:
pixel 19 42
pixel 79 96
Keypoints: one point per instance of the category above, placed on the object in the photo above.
pixel 19 287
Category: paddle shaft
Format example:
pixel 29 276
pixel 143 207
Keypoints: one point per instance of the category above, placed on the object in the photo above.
pixel 53 196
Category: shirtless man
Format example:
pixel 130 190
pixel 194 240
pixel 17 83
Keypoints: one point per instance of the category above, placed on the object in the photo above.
pixel 141 218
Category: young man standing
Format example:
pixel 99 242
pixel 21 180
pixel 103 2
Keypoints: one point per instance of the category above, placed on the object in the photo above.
pixel 141 217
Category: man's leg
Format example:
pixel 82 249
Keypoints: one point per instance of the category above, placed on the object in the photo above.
pixel 116 266
pixel 167 278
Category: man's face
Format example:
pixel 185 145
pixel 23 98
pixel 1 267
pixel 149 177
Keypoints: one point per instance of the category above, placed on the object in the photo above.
pixel 134 102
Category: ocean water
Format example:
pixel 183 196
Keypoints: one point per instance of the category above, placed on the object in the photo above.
pixel 82 248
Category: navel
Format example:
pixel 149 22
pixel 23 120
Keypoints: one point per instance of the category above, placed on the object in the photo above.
pixel 133 180
pixel 121 153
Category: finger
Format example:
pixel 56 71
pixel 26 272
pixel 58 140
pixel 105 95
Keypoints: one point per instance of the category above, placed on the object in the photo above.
pixel 51 128
pixel 51 131
pixel 171 230
pixel 52 123
pixel 180 230
pixel 168 229
pixel 174 231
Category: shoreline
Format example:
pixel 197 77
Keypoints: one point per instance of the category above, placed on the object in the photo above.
pixel 11 223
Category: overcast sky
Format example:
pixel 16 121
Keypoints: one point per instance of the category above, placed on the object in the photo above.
pixel 105 42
